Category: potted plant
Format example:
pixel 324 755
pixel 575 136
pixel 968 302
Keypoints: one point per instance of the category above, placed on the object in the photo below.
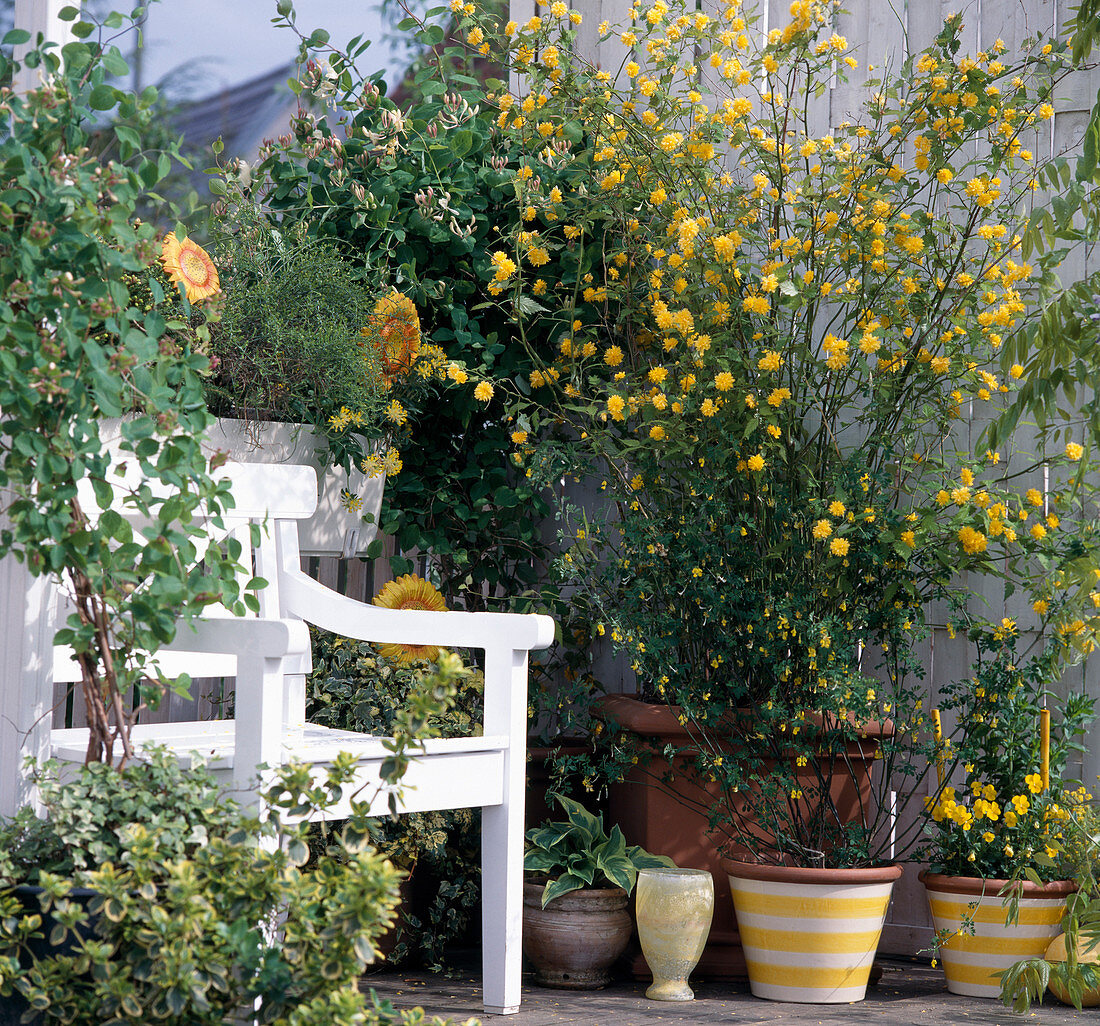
pixel 575 918
pixel 758 372
pixel 313 365
pixel 1070 967
pixel 996 887
pixel 145 893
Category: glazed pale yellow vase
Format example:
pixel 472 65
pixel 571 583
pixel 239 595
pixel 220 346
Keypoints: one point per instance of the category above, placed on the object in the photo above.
pixel 674 909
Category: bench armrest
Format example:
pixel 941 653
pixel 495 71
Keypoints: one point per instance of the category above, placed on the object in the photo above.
pixel 302 596
pixel 241 636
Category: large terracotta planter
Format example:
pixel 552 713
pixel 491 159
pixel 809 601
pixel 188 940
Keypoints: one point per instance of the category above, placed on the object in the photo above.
pixel 971 961
pixel 810 935
pixel 659 806
pixel 574 941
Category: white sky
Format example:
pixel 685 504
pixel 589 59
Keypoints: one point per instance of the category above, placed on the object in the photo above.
pixel 236 41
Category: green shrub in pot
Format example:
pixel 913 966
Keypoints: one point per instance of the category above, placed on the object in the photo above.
pixel 1070 969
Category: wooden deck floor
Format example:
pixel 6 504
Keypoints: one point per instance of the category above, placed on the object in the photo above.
pixel 909 994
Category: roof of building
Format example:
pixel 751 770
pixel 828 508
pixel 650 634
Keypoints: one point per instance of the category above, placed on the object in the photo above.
pixel 241 115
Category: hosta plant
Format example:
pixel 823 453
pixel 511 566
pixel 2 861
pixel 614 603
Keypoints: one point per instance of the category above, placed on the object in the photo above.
pixel 577 852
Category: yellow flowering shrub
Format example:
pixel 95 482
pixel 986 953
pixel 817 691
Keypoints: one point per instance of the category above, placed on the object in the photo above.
pixel 769 338
pixel 1010 812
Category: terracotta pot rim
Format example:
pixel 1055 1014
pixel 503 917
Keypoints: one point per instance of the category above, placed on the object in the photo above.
pixel 656 719
pixel 811 875
pixel 979 885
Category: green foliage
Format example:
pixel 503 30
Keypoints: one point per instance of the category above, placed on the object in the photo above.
pixel 91 815
pixel 195 924
pixel 353 688
pixel 1077 858
pixel 75 350
pixel 578 852
pixel 1084 30
pixel 288 344
pixel 417 198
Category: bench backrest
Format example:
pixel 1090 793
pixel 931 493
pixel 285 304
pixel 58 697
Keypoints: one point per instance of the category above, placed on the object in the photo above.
pixel 264 494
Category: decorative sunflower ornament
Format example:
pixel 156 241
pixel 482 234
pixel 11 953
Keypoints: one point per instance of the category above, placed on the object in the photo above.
pixel 410 592
pixel 189 265
pixel 394 330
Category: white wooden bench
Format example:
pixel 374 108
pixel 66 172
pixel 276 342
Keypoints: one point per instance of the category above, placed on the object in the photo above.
pixel 269 655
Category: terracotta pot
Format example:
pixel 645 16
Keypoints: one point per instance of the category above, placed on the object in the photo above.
pixel 574 941
pixel 668 817
pixel 388 941
pixel 810 935
pixel 971 961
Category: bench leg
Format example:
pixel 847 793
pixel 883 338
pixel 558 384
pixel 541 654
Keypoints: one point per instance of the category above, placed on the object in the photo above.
pixel 502 905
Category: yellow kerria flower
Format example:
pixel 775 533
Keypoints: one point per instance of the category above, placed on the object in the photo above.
pixel 188 264
pixel 410 592
pixel 972 541
pixel 1074 451
pixel 483 391
pixel 519 437
pixel 839 546
pixel 755 462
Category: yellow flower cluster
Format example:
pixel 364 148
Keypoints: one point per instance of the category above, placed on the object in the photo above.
pixel 388 463
pixel 345 418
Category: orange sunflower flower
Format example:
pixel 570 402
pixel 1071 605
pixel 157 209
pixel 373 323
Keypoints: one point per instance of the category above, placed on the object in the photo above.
pixel 410 592
pixel 189 265
pixel 394 328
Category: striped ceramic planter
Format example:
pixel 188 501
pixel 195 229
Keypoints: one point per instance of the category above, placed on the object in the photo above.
pixel 971 962
pixel 809 934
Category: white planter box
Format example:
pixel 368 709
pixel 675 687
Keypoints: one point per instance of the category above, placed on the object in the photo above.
pixel 333 530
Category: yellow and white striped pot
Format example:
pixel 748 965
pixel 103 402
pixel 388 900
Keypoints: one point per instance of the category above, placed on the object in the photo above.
pixel 809 935
pixel 971 962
